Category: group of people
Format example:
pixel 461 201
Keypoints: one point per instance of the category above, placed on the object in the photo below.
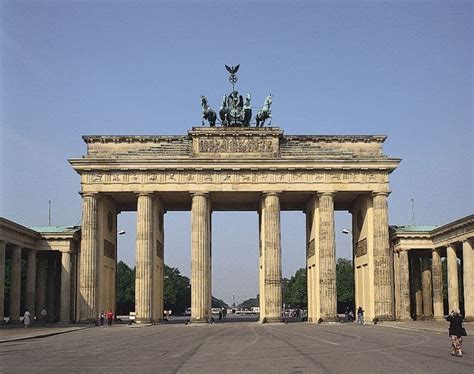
pixel 27 317
pixel 222 314
pixel 350 315
pixel 109 315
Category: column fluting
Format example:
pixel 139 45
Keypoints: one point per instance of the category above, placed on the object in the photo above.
pixel 88 259
pixel 453 283
pixel 65 299
pixel 437 275
pixel 327 257
pixel 383 289
pixel 468 275
pixel 273 297
pixel 15 284
pixel 30 288
pixel 426 287
pixel 2 280
pixel 200 258
pixel 404 286
pixel 144 259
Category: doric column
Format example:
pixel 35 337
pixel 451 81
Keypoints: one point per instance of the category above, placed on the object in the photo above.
pixel 2 280
pixel 453 284
pixel 51 289
pixel 15 284
pixel 144 259
pixel 382 259
pixel 417 285
pixel 437 274
pixel 327 257
pixel 40 284
pixel 88 297
pixel 404 286
pixel 468 272
pixel 65 300
pixel 426 287
pixel 200 258
pixel 31 282
pixel 272 253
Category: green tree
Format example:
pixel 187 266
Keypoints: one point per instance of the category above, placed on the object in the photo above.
pixel 249 303
pixel 125 292
pixel 295 290
pixel 176 290
pixel 345 284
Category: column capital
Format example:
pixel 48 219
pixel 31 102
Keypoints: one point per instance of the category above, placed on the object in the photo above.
pixel 199 193
pixel 143 193
pixel 271 193
pixel 380 193
pixel 89 194
pixel 326 193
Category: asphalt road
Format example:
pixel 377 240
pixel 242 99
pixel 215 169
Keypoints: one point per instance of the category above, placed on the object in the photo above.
pixel 235 347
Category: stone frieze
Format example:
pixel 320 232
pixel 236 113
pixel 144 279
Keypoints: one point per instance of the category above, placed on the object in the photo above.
pixel 218 176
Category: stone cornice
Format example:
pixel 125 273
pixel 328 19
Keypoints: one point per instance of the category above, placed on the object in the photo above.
pixel 11 226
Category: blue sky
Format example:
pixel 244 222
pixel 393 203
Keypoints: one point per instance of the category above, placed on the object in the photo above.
pixel 402 69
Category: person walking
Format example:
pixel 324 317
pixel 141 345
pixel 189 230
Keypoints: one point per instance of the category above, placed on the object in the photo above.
pixel 360 316
pixel 26 318
pixel 110 317
pixel 101 318
pixel 455 332
pixel 44 316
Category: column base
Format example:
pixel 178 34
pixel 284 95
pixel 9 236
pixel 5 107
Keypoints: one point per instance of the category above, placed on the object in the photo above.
pixel 270 320
pixel 200 321
pixel 385 318
pixel 468 319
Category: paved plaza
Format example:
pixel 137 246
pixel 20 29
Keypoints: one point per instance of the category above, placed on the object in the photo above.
pixel 237 347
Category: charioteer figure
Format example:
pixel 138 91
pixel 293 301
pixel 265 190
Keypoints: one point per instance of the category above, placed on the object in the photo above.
pixel 235 111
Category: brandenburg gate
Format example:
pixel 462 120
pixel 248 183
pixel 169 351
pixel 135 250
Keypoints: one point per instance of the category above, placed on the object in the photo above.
pixel 236 168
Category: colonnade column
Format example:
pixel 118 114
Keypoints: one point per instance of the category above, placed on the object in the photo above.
pixel 31 282
pixel 272 253
pixel 65 299
pixel 437 276
pixel 51 288
pixel 2 280
pixel 200 258
pixel 404 286
pixel 417 286
pixel 88 297
pixel 144 259
pixel 382 259
pixel 453 284
pixel 426 287
pixel 40 284
pixel 468 269
pixel 15 284
pixel 327 257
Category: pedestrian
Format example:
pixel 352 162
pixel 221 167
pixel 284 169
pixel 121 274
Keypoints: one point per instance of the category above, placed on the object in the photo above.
pixel 101 318
pixel 224 313
pixel 110 317
pixel 44 316
pixel 347 313
pixel 360 316
pixel 220 314
pixel 26 318
pixel 455 332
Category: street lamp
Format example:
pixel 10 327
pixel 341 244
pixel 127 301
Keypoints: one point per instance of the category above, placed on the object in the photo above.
pixel 346 231
pixel 121 232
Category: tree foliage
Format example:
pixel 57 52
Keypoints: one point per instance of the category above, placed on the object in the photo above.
pixel 249 303
pixel 295 290
pixel 176 290
pixel 125 292
pixel 345 284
